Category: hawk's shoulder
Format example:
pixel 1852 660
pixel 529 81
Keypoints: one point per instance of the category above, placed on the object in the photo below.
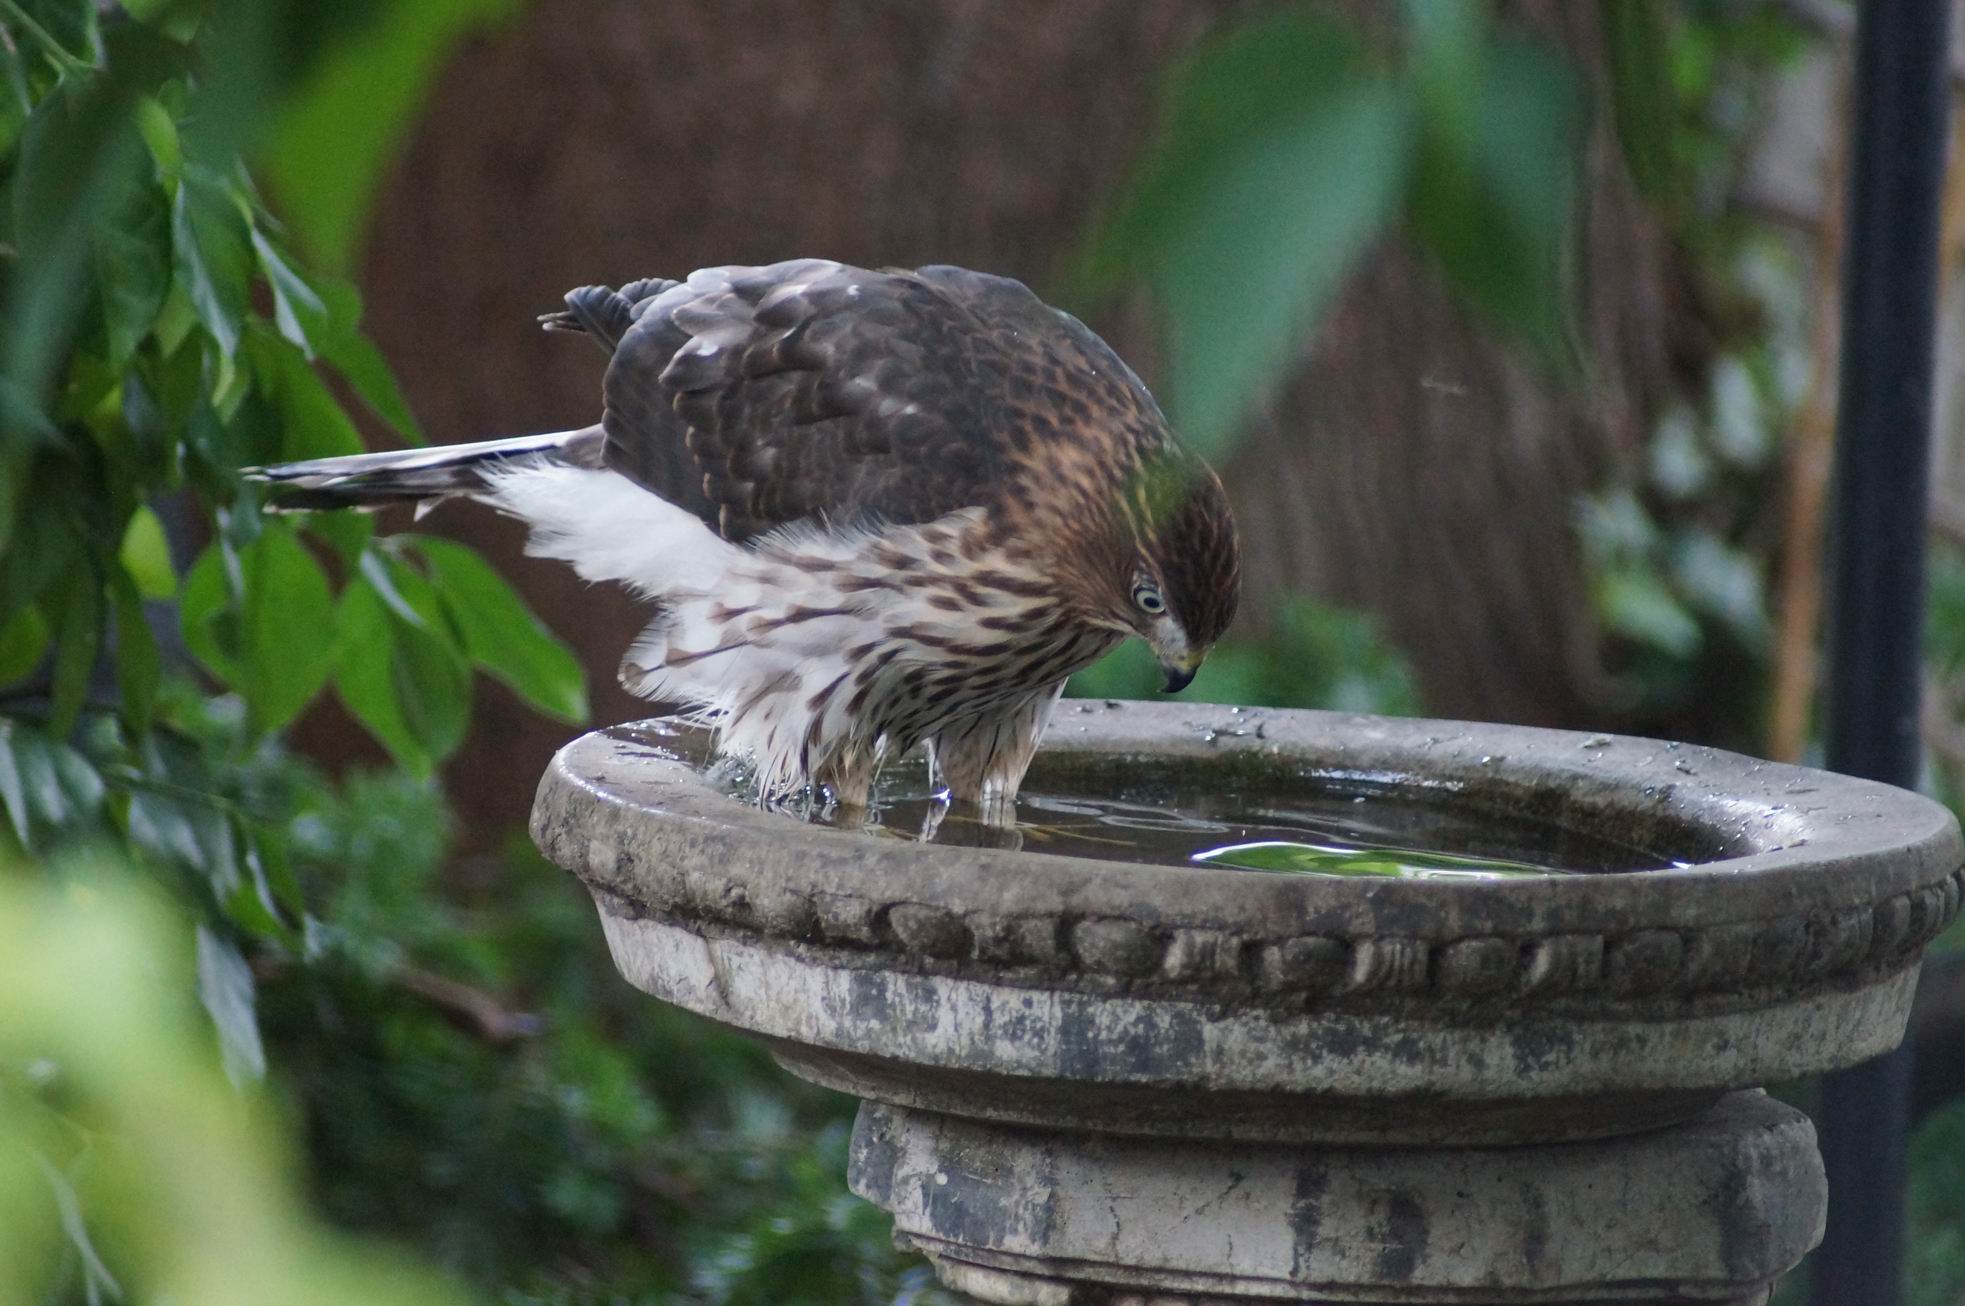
pixel 759 396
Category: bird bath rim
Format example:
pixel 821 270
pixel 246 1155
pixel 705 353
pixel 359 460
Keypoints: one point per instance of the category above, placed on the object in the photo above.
pixel 1749 829
pixel 1154 998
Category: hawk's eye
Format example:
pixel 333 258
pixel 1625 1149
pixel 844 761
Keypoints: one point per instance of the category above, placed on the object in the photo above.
pixel 1149 599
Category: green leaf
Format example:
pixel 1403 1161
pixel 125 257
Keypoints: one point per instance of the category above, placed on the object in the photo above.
pixel 432 672
pixel 255 905
pixel 70 25
pixel 298 312
pixel 44 547
pixel 1636 603
pixel 179 19
pixel 1283 156
pixel 46 787
pixel 364 676
pixel 433 689
pixel 176 825
pixel 159 132
pixel 132 251
pixel 347 533
pixel 139 667
pixel 312 423
pixel 1638 50
pixel 146 555
pixel 98 1284
pixel 1724 582
pixel 1448 49
pixel 216 446
pixel 208 613
pixel 225 987
pixel 23 643
pixel 263 628
pixel 361 364
pixel 336 136
pixel 21 429
pixel 16 100
pixel 78 641
pixel 22 426
pixel 1333 657
pixel 501 635
pixel 1499 218
pixel 383 573
pixel 13 788
pixel 78 155
pixel 402 682
pixel 213 258
pixel 288 608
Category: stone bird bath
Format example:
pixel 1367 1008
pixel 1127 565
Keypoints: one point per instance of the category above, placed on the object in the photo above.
pixel 1099 1082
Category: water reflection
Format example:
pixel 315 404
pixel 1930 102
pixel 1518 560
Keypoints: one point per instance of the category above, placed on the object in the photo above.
pixel 1325 827
pixel 1315 827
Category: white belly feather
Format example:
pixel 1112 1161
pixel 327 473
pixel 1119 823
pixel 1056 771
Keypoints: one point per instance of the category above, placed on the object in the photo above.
pixel 808 650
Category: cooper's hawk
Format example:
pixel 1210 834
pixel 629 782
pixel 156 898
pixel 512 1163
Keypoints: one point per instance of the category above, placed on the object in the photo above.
pixel 870 508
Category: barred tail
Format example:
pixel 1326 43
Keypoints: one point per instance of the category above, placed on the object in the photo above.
pixel 368 481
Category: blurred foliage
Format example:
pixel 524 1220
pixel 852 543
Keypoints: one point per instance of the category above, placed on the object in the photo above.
pixel 158 336
pixel 469 1076
pixel 128 1167
pixel 474 1078
pixel 1681 553
pixel 1944 656
pixel 1292 141
pixel 464 1069
pixel 1936 1241
pixel 1316 656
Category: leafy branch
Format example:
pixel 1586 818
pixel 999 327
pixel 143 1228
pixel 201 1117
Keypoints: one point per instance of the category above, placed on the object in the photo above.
pixel 160 331
pixel 11 11
pixel 1290 143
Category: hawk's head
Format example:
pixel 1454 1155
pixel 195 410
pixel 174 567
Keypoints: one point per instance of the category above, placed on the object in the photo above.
pixel 1184 575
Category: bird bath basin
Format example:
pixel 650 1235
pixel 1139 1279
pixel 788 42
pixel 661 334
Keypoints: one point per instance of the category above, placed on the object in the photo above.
pixel 1095 1079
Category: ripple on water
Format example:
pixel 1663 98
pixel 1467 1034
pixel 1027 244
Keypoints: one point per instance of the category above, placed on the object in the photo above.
pixel 1321 826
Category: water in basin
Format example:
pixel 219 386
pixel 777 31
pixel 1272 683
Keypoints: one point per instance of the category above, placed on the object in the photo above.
pixel 1317 827
pixel 1305 826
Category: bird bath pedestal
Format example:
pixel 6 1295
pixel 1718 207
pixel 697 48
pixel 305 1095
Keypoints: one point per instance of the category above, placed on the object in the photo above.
pixel 1094 1082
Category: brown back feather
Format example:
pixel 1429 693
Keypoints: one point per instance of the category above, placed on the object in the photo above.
pixel 757 397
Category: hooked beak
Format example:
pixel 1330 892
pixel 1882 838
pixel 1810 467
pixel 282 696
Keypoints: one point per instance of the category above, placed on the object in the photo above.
pixel 1179 672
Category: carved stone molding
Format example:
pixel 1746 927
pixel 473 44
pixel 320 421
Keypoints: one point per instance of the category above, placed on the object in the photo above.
pixel 1142 998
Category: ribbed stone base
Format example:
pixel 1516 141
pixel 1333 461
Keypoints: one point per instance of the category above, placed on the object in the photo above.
pixel 1710 1212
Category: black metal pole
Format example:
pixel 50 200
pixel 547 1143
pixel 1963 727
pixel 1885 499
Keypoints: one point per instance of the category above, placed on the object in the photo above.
pixel 1876 583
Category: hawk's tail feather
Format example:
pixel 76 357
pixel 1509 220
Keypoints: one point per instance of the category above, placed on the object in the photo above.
pixel 368 481
pixel 604 312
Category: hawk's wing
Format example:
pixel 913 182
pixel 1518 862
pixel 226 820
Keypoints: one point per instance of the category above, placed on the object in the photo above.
pixel 756 397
